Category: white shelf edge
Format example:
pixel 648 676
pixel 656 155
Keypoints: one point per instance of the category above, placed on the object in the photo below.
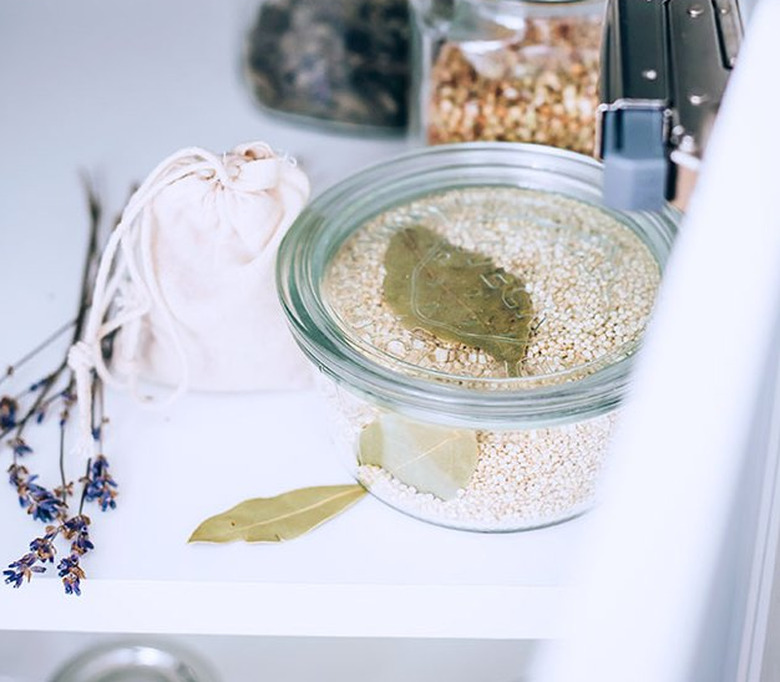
pixel 288 609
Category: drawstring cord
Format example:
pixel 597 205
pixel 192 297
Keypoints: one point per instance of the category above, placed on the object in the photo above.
pixel 126 274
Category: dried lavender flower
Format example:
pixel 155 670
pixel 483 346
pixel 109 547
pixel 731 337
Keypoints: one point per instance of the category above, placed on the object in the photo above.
pixel 69 568
pixel 71 573
pixel 43 547
pixel 20 447
pixel 42 551
pixel 100 487
pixel 21 569
pixel 41 503
pixel 8 409
pixel 44 505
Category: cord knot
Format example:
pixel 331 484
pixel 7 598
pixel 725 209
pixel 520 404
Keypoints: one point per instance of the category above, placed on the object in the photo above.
pixel 81 357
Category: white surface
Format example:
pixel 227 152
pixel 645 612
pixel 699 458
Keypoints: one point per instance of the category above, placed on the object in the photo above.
pixel 111 88
pixel 657 541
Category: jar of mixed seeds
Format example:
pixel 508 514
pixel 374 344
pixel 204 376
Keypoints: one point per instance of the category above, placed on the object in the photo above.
pixel 341 62
pixel 473 311
pixel 509 70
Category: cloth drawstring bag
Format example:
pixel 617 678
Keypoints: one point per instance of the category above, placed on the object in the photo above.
pixel 186 281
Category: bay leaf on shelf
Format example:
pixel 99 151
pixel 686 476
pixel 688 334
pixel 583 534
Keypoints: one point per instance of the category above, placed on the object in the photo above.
pixel 274 519
pixel 457 295
pixel 433 459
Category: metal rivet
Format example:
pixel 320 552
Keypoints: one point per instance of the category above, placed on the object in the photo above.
pixel 650 74
pixel 687 144
pixel 697 99
pixel 725 10
pixel 695 11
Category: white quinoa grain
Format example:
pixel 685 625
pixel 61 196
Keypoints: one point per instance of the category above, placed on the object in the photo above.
pixel 541 87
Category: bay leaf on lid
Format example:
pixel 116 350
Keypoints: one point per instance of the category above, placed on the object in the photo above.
pixel 433 459
pixel 457 295
pixel 274 519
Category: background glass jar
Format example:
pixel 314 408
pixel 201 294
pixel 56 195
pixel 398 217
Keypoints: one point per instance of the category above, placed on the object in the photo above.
pixel 473 311
pixel 342 62
pixel 508 70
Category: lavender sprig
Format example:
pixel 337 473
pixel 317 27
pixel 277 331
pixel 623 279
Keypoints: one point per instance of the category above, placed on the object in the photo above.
pixel 11 369
pixel 98 487
pixel 42 550
pixel 43 504
pixel 21 569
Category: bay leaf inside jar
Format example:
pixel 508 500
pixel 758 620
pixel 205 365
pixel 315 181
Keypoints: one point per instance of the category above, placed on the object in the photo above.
pixel 433 459
pixel 457 295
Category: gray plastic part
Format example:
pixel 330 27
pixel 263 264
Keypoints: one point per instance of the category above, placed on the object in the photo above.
pixel 636 167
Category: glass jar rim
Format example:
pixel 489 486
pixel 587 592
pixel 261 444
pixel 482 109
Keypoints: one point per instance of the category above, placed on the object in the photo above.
pixel 532 2
pixel 332 216
pixel 539 2
pixel 531 8
pixel 540 5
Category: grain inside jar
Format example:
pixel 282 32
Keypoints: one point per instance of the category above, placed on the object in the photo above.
pixel 539 85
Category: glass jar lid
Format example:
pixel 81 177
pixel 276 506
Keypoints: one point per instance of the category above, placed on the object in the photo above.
pixel 134 662
pixel 478 281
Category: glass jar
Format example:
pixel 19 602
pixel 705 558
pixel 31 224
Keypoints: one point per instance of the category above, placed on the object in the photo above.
pixel 473 311
pixel 343 62
pixel 509 70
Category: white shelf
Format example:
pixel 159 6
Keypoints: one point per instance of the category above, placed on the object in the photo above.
pixel 370 572
pixel 112 89
pixel 294 610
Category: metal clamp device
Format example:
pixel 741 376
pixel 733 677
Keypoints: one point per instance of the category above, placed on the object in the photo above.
pixel 665 65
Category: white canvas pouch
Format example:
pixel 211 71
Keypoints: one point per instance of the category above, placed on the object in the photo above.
pixel 186 281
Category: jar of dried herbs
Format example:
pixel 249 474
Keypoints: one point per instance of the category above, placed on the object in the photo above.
pixel 473 310
pixel 509 70
pixel 340 62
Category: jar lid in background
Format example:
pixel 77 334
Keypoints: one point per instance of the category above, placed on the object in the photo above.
pixel 134 662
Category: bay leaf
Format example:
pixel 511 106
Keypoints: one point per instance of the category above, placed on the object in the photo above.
pixel 433 459
pixel 457 295
pixel 274 519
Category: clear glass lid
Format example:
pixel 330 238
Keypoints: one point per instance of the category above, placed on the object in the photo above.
pixel 134 662
pixel 493 282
